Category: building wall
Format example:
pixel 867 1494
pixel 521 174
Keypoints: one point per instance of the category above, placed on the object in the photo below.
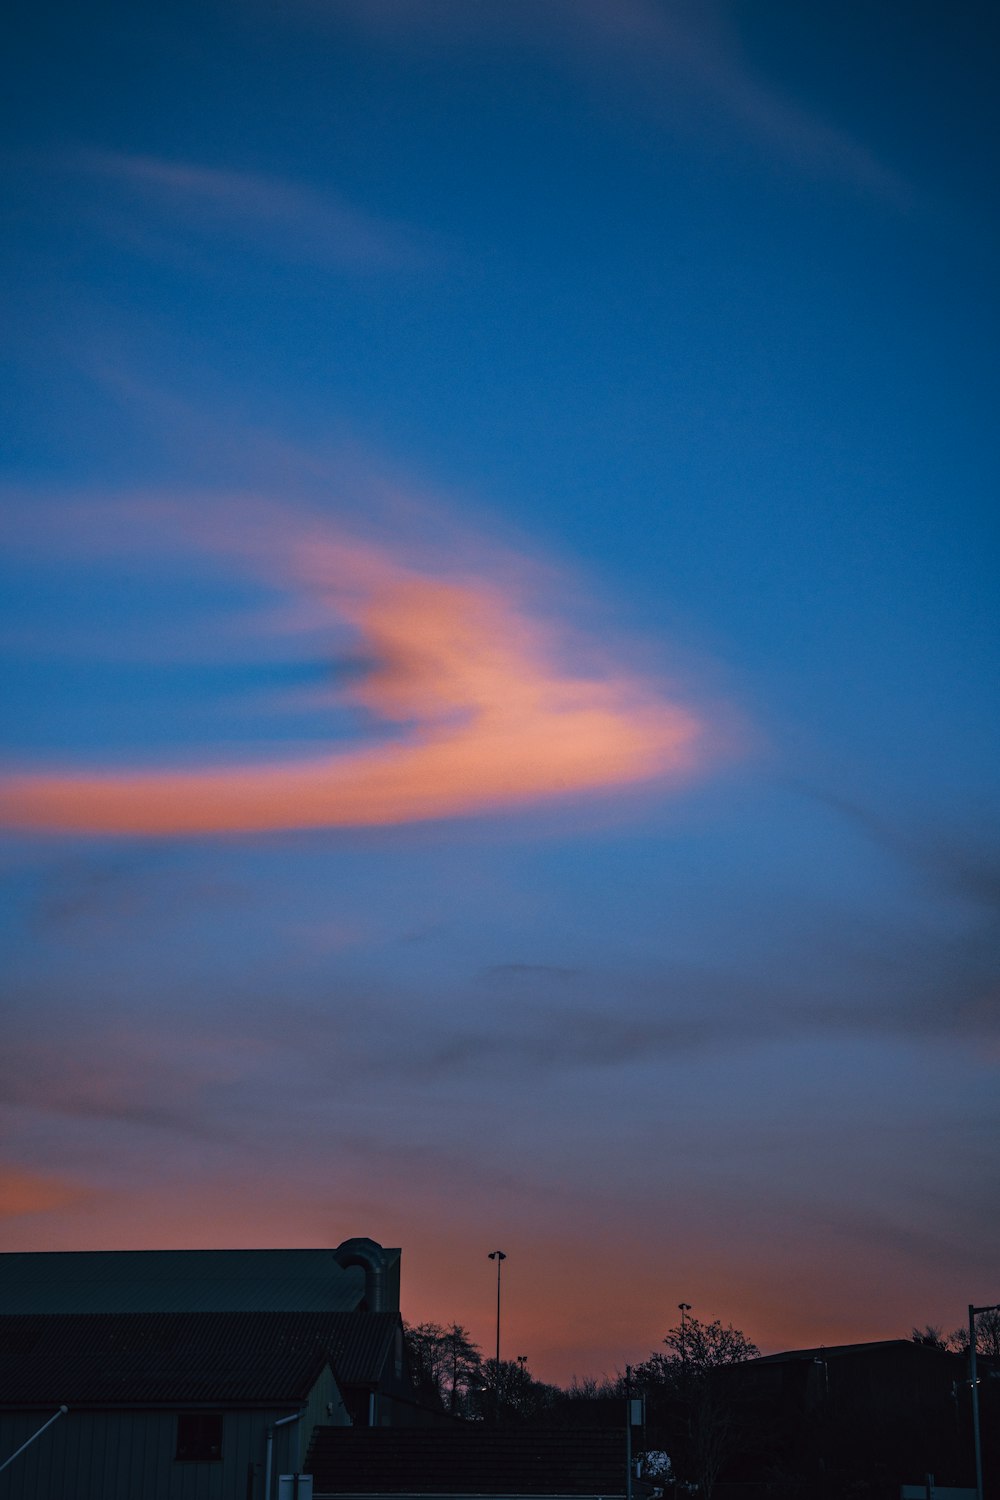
pixel 325 1395
pixel 129 1455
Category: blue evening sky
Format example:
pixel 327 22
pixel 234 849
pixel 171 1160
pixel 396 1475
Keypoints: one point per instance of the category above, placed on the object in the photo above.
pixel 594 355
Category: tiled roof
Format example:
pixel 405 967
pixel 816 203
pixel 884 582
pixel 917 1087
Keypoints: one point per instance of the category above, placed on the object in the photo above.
pixel 135 1281
pixel 112 1359
pixel 467 1458
pixel 360 1344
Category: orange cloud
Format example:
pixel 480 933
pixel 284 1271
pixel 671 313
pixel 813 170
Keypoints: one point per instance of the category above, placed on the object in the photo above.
pixel 490 718
pixel 29 1193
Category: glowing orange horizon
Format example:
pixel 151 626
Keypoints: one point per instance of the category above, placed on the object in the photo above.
pixel 490 721
pixel 560 1303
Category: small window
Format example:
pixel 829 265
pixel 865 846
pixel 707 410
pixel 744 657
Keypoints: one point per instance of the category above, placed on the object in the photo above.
pixel 199 1436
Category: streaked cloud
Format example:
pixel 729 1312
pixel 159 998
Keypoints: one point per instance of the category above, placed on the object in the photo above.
pixel 120 1073
pixel 677 59
pixel 284 219
pixel 715 1017
pixel 484 705
pixel 23 1192
pixel 946 859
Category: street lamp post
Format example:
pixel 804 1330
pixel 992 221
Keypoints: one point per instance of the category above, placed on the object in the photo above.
pixel 684 1308
pixel 499 1257
pixel 974 1383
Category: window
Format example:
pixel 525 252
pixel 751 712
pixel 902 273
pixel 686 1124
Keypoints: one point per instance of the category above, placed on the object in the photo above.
pixel 199 1435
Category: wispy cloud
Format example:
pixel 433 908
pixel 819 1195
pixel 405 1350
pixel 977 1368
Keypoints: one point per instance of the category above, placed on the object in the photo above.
pixel 949 861
pixel 254 211
pixel 678 60
pixel 505 972
pixel 480 705
pixel 105 1066
pixel 555 1020
pixel 23 1192
pixel 80 891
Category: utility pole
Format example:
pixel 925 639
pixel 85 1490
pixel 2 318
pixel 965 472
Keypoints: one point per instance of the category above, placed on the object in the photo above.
pixel 628 1432
pixel 974 1383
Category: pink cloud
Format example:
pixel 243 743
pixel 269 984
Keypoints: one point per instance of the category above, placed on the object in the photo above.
pixel 481 708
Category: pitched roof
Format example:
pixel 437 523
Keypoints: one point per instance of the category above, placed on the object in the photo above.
pixel 135 1281
pixel 125 1359
pixel 359 1344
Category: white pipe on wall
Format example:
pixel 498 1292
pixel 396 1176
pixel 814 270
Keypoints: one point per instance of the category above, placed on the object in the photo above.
pixel 281 1422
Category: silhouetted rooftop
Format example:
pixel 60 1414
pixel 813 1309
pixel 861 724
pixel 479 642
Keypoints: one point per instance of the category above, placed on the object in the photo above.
pixel 833 1351
pixel 224 1358
pixel 136 1281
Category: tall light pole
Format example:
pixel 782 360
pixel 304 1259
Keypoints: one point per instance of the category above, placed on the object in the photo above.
pixel 974 1382
pixel 499 1257
pixel 684 1308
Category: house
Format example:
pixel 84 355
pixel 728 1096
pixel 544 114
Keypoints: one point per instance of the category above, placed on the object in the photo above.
pixel 358 1282
pixel 192 1372
pixel 869 1415
pixel 162 1406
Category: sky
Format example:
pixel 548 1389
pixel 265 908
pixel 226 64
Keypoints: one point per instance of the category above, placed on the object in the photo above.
pixel 498 610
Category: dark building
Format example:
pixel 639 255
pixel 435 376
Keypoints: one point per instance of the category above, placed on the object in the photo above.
pixel 178 1405
pixel 191 1373
pixel 359 1276
pixel 851 1419
pixel 469 1459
